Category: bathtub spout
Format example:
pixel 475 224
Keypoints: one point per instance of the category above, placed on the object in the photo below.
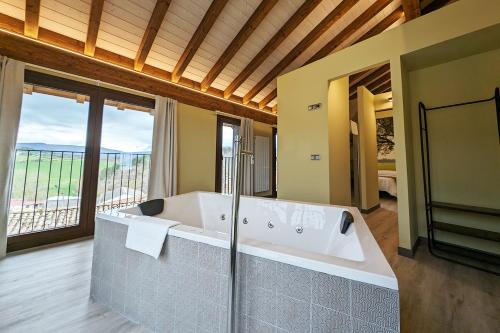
pixel 346 221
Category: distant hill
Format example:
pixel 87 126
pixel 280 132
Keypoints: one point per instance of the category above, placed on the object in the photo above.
pixel 51 147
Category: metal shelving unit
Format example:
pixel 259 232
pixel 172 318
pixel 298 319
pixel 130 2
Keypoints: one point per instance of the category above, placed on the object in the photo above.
pixel 485 261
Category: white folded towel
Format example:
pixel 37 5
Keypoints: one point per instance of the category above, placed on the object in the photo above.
pixel 147 234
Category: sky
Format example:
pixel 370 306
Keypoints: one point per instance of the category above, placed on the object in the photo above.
pixel 227 136
pixel 56 120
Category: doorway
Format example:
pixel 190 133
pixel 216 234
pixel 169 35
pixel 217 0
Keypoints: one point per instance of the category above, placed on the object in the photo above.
pixel 274 166
pixel 227 129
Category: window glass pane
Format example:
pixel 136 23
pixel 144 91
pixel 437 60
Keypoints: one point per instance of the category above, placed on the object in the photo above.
pixel 125 156
pixel 47 180
pixel 229 132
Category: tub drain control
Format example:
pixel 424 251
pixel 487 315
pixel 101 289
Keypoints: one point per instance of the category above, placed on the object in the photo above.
pixel 270 225
pixel 245 221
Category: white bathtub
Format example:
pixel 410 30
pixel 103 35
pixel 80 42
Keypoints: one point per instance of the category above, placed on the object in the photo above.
pixel 320 247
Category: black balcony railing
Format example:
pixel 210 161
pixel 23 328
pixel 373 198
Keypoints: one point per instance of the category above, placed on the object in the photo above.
pixel 47 187
pixel 227 174
pixel 123 180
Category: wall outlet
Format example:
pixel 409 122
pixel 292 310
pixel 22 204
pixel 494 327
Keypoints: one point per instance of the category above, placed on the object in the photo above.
pixel 315 157
pixel 314 107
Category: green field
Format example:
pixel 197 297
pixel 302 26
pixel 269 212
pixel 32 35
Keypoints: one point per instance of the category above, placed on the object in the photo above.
pixel 39 167
pixel 65 174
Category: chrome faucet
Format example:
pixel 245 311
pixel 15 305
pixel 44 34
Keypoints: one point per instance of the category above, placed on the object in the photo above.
pixel 233 236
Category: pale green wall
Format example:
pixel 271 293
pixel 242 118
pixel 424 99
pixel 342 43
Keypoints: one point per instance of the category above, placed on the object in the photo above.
pixel 338 140
pixel 368 172
pixel 196 134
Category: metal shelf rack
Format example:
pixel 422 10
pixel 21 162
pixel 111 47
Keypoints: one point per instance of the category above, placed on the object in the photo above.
pixel 485 261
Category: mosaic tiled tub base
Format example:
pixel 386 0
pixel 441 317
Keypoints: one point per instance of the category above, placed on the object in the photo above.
pixel 185 290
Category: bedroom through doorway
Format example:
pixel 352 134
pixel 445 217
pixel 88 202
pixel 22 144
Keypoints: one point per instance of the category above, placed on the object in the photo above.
pixel 373 163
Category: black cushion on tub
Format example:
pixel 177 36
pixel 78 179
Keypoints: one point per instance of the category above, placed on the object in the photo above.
pixel 152 207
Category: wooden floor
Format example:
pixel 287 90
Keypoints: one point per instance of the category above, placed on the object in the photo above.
pixel 436 295
pixel 47 290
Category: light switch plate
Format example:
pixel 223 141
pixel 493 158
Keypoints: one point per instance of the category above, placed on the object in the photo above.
pixel 315 157
pixel 313 107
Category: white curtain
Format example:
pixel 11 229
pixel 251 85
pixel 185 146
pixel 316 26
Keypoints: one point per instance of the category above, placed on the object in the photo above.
pixel 11 96
pixel 246 132
pixel 163 174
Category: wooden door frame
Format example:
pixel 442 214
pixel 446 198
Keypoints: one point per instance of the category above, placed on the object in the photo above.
pixel 221 120
pixel 92 155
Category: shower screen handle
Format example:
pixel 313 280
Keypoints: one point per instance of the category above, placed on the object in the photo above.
pixel 497 104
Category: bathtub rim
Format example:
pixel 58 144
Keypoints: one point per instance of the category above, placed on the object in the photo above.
pixel 373 270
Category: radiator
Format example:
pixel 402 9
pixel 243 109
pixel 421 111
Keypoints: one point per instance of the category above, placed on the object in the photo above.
pixel 262 164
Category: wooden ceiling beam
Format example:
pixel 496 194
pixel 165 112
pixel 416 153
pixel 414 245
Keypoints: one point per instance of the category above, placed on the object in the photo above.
pixel 378 82
pixel 378 28
pixel 252 23
pixel 42 54
pixel 433 5
pixel 148 39
pixel 354 80
pixel 411 9
pixel 336 14
pixel 383 88
pixel 14 25
pixel 93 27
pixel 266 100
pixel 199 35
pixel 347 32
pixel 292 23
pixel 379 76
pixel 32 16
pixel 384 24
pixel 377 73
pixel 356 24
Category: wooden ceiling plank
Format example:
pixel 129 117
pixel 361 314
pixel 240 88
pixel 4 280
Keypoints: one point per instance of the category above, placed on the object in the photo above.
pixel 93 27
pixel 411 9
pixel 56 58
pixel 199 35
pixel 337 13
pixel 32 16
pixel 300 14
pixel 266 100
pixel 347 32
pixel 252 23
pixel 148 39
